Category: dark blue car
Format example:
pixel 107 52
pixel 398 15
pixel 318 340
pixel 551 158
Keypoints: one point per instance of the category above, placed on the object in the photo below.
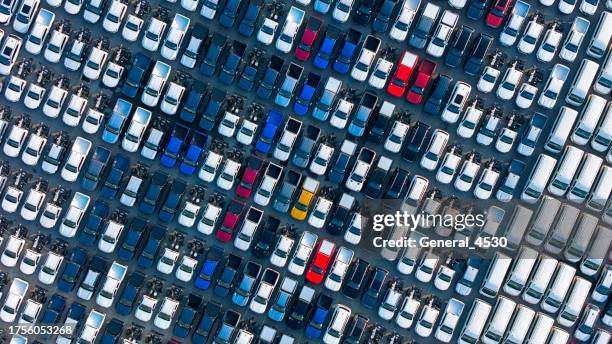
pixel 302 103
pixel 207 322
pixel 264 143
pixel 134 235
pixel 52 313
pixel 324 55
pixel 114 177
pixel 213 257
pixel 192 104
pixel 149 251
pixel 173 200
pixel 93 223
pixel 187 316
pixel 128 297
pixel 72 269
pixel 154 193
pixel 345 58
pixel 193 154
pixel 136 75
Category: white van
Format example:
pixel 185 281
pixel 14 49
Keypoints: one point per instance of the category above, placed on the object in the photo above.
pixel 521 270
pixel 546 215
pixel 540 174
pixel 601 36
pixel 603 85
pixel 582 184
pixel 517 226
pixel 495 275
pixel 562 229
pixel 589 118
pixel 476 320
pixel 597 252
pixel 601 192
pixel 558 336
pixel 521 322
pixel 568 165
pixel 541 329
pixel 558 288
pixel 602 288
pixel 539 280
pixel 579 242
pixel 561 129
pixel 571 308
pixel 603 136
pixel 582 82
pixel 499 321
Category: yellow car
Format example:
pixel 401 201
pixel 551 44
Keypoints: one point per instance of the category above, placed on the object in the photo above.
pixel 300 208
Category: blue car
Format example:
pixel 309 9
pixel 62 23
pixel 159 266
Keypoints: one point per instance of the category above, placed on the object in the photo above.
pixel 264 143
pixel 114 125
pixel 187 316
pixel 174 145
pixel 207 322
pixel 173 200
pixel 52 313
pixel 127 250
pixel 359 123
pixel 302 103
pixel 194 153
pixel 114 177
pixel 315 325
pixel 149 251
pixel 324 55
pixel 347 52
pixel 193 102
pixel 72 269
pixel 136 75
pixel 204 278
pixel 128 297
pixel 93 223
pixel 154 193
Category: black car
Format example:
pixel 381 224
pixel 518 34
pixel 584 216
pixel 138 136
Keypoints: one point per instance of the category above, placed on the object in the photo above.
pixel 340 216
pixel 478 54
pixel 265 239
pixel 476 9
pixel 381 22
pixel 398 185
pixel 378 178
pixel 356 329
pixel 247 24
pixel 416 141
pixel 213 54
pixel 355 277
pixel 297 318
pixel 365 11
pixel 212 109
pixel 458 48
pixel 207 322
pixel 381 123
pixel 374 287
pixel 438 95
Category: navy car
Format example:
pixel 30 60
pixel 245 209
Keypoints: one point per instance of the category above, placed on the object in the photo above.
pixel 72 270
pixel 93 223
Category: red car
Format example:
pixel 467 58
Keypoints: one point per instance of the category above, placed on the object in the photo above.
pixel 497 13
pixel 320 262
pixel 424 74
pixel 304 48
pixel 400 78
pixel 253 170
pixel 233 215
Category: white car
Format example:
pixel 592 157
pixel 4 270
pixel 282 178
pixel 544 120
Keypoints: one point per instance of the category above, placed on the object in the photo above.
pixel 30 313
pixel 448 168
pixel 246 133
pixel 15 140
pixel 76 159
pixel 49 270
pixel 55 47
pixel 458 4
pixel 50 215
pixel 174 37
pixel 25 14
pixel 74 215
pixel 396 137
pixel 549 46
pixel 456 102
pixel 300 258
pixel 153 34
pixel 227 177
pixel 281 252
pixel 70 6
pixel 12 198
pixel 321 159
pixel 590 6
pixel 39 31
pixel 380 74
pixel 399 30
pixel 342 10
pixel 354 230
pixel 144 310
pixel 228 124
pixel 567 6
pixel 435 149
pixel 167 261
pixel 110 237
pixel 12 251
pixel 185 270
pixel 574 39
pixel 425 324
pixel 190 5
pixel 266 32
pixel 390 303
pixel 210 215
pixel 533 31
pixel 33 203
pixel 450 320
pixel 34 96
pixel 552 89
pixel 114 16
pixel 341 113
pixel 131 29
pixel 339 268
pixel 425 270
pixel 14 89
pixel 188 215
pixel 17 291
pixel 467 175
pixel 112 75
pixel 55 101
pixel 441 37
pixel 73 59
pixel 526 95
pixel 484 187
pixel 92 121
pixel 93 10
pixel 94 64
pixel 505 140
pixel 9 53
pixel 30 262
pixel 74 111
pixel 166 313
pixel 209 168
pixel 408 311
pixel 488 79
pixel 209 9
pixel 33 149
pixel 509 83
pixel 469 122
pixel 319 213
pixel 172 98
pixel 444 277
